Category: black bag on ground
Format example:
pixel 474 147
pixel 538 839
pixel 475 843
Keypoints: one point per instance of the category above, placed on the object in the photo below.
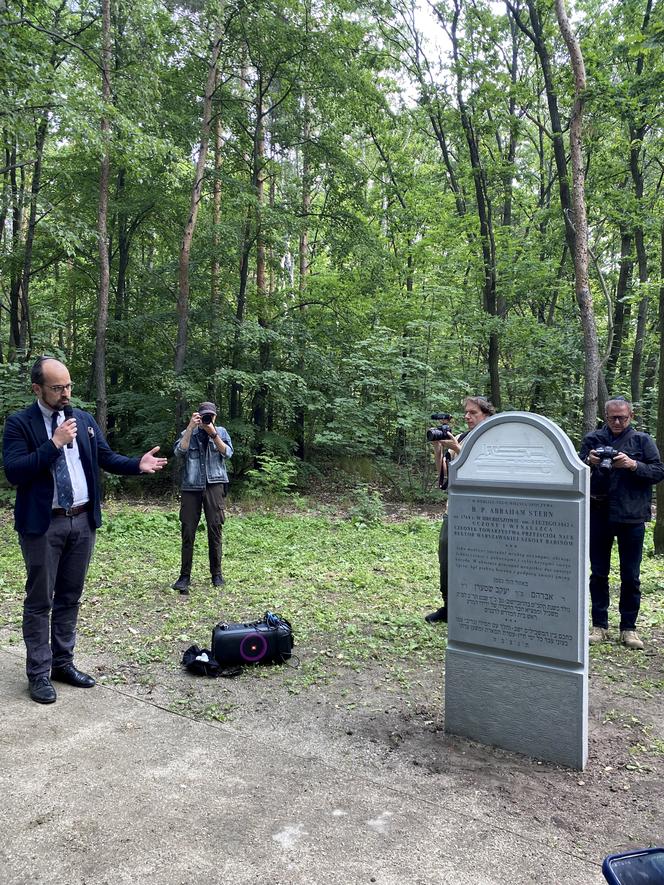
pixel 267 641
pixel 200 661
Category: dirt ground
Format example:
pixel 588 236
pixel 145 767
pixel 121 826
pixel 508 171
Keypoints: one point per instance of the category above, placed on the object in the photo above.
pixel 392 726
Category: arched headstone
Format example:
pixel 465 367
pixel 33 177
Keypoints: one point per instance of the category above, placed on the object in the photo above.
pixel 516 667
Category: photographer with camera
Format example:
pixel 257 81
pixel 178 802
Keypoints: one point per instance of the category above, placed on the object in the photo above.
pixel 625 464
pixel 204 449
pixel 446 446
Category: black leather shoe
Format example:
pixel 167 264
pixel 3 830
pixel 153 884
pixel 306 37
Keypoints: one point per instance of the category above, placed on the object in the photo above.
pixel 41 690
pixel 69 674
pixel 182 584
pixel 218 580
pixel 440 615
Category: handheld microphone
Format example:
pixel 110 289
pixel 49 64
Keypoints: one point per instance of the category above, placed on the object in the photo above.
pixel 68 413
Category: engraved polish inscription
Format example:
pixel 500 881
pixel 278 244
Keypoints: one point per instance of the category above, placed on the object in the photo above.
pixel 515 564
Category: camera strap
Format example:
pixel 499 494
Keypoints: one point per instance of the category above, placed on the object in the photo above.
pixel 444 478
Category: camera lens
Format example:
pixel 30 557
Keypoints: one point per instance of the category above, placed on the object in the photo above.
pixel 436 434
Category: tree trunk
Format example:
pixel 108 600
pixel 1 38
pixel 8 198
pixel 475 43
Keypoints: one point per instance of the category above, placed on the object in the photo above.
pixel 124 243
pixel 636 139
pixel 621 310
pixel 102 225
pixel 40 141
pixel 259 407
pixel 16 343
pixel 6 188
pixel 658 537
pixel 190 225
pixel 591 349
pixel 637 131
pixel 235 399
pixel 536 35
pixel 510 151
pixel 20 283
pixel 647 410
pixel 303 272
pixel 216 216
pixel 484 213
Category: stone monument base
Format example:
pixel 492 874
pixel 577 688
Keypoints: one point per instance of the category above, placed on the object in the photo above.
pixel 532 708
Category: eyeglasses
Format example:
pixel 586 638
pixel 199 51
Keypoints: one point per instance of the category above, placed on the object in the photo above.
pixel 59 388
pixel 621 419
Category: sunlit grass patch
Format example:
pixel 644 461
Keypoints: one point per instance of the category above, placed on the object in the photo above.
pixel 353 591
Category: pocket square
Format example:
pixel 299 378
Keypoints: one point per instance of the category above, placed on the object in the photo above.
pixel 91 431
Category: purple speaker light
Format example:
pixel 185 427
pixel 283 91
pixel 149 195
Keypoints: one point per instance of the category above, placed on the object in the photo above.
pixel 253 647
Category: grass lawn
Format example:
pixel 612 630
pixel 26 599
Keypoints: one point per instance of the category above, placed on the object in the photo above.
pixel 352 590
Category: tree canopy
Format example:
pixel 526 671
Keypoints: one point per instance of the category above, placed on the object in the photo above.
pixel 330 218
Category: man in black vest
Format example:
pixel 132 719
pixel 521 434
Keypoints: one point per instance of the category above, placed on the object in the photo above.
pixel 625 465
pixel 52 453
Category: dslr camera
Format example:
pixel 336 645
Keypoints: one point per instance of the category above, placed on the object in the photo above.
pixel 606 454
pixel 443 431
pixel 207 418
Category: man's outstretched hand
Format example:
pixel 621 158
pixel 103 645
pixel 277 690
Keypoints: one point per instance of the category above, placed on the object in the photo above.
pixel 150 464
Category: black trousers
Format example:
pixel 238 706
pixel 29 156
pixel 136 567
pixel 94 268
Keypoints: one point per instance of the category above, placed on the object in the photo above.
pixel 56 564
pixel 443 558
pixel 630 551
pixel 211 500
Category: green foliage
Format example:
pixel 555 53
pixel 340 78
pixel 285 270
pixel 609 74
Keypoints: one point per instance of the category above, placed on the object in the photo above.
pixel 15 392
pixel 271 480
pixel 373 310
pixel 133 526
pixel 7 497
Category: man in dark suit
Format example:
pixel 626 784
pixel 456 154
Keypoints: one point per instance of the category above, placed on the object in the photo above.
pixel 52 453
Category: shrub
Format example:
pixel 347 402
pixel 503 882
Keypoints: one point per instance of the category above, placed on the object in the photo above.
pixel 272 479
pixel 368 506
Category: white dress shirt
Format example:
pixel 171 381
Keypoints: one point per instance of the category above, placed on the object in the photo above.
pixel 76 472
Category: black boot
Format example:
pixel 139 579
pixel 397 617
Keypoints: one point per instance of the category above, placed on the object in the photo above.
pixel 440 615
pixel 182 584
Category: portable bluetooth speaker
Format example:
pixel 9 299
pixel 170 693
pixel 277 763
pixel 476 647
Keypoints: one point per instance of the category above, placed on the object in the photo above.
pixel 267 641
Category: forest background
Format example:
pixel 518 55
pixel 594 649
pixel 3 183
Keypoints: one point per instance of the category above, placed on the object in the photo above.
pixel 331 218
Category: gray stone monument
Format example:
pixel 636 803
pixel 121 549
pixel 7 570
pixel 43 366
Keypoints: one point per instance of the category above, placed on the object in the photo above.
pixel 516 667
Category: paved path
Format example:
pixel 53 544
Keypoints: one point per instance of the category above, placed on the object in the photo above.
pixel 103 788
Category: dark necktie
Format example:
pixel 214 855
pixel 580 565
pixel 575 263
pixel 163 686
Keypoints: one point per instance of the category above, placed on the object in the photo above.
pixel 62 477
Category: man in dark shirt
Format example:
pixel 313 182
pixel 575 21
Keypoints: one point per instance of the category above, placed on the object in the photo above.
pixel 620 504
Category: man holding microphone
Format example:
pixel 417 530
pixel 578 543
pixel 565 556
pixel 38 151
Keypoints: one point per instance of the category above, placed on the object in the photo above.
pixel 53 453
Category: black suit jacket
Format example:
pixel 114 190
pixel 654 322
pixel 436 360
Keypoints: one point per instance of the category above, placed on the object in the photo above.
pixel 28 455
